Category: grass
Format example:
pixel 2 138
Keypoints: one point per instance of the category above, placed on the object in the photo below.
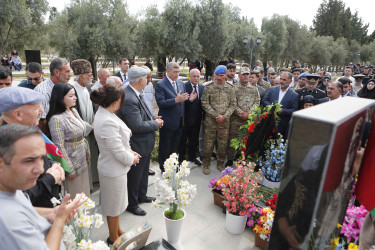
pixel 178 215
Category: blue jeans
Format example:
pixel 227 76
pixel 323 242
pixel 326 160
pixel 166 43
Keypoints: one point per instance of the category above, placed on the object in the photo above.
pixel 17 67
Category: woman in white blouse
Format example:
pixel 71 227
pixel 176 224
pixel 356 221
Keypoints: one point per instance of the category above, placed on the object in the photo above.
pixel 115 155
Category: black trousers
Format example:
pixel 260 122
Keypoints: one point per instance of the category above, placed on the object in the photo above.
pixel 169 142
pixel 138 181
pixel 189 139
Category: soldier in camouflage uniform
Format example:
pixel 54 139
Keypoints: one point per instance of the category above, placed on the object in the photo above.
pixel 246 96
pixel 261 81
pixel 218 102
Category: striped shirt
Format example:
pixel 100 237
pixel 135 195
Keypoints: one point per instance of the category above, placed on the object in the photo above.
pixel 45 88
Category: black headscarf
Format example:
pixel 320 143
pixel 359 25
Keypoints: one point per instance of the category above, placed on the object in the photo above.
pixel 365 93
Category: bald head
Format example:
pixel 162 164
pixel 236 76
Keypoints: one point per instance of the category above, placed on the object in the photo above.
pixel 194 76
pixel 103 75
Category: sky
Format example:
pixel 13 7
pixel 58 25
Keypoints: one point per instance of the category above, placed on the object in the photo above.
pixel 299 10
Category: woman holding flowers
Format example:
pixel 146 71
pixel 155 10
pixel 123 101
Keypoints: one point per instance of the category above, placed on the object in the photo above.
pixel 115 157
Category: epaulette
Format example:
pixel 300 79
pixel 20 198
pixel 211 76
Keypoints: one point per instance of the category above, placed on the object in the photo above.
pixel 207 83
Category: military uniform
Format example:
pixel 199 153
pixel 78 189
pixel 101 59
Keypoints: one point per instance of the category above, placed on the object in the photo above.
pixel 316 93
pixel 246 96
pixel 217 100
pixel 264 85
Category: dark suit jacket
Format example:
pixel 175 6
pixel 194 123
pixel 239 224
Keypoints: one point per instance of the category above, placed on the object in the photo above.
pixel 193 110
pixel 170 111
pixel 140 121
pixel 119 75
pixel 289 105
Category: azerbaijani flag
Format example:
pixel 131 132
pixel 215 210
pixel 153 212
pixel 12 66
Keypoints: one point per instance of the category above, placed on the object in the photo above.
pixel 54 153
pixel 365 190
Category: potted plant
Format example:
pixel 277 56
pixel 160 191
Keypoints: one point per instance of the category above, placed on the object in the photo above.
pixel 240 196
pixel 272 161
pixel 218 184
pixel 174 192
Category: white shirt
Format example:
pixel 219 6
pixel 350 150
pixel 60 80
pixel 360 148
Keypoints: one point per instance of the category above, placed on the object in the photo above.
pixel 97 85
pixel 148 94
pixel 192 85
pixel 282 94
pixel 45 88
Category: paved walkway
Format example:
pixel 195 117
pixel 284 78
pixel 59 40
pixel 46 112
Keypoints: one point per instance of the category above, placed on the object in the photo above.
pixel 203 227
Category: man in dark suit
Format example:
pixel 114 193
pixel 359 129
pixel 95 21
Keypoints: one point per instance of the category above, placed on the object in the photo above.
pixel 310 89
pixel 123 73
pixel 287 98
pixel 143 125
pixel 193 117
pixel 170 96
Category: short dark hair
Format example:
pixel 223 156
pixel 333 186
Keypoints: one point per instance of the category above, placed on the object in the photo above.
pixel 34 67
pixel 57 63
pixel 344 80
pixel 273 74
pixel 231 66
pixel 11 133
pixel 339 85
pixel 5 72
pixel 123 59
pixel 107 95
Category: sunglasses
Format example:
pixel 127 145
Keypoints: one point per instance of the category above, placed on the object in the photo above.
pixel 35 79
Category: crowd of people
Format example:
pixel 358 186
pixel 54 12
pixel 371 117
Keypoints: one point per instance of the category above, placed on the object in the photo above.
pixel 105 131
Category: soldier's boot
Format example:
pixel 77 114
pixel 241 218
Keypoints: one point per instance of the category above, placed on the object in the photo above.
pixel 220 165
pixel 206 170
pixel 229 163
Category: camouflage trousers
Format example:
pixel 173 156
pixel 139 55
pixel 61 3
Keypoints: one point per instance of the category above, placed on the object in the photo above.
pixel 219 132
pixel 235 124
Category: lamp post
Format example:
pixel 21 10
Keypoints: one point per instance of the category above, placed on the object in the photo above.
pixel 252 44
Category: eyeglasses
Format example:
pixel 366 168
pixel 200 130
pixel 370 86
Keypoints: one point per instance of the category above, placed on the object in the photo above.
pixel 33 79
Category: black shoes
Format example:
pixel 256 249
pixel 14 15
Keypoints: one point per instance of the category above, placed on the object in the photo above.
pixel 197 162
pixel 137 211
pixel 151 172
pixel 148 199
pixel 109 242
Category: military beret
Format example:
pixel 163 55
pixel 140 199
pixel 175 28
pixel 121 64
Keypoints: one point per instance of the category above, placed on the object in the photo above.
pixel 136 72
pixel 14 97
pixel 308 99
pixel 221 69
pixel 81 66
pixel 313 79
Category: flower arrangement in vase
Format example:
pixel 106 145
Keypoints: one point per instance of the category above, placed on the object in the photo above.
pixel 172 190
pixel 272 160
pixel 218 184
pixel 242 191
pixel 77 233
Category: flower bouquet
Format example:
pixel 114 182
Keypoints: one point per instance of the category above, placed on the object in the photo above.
pixel 241 193
pixel 77 234
pixel 272 160
pixel 172 190
pixel 218 184
pixel 261 126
